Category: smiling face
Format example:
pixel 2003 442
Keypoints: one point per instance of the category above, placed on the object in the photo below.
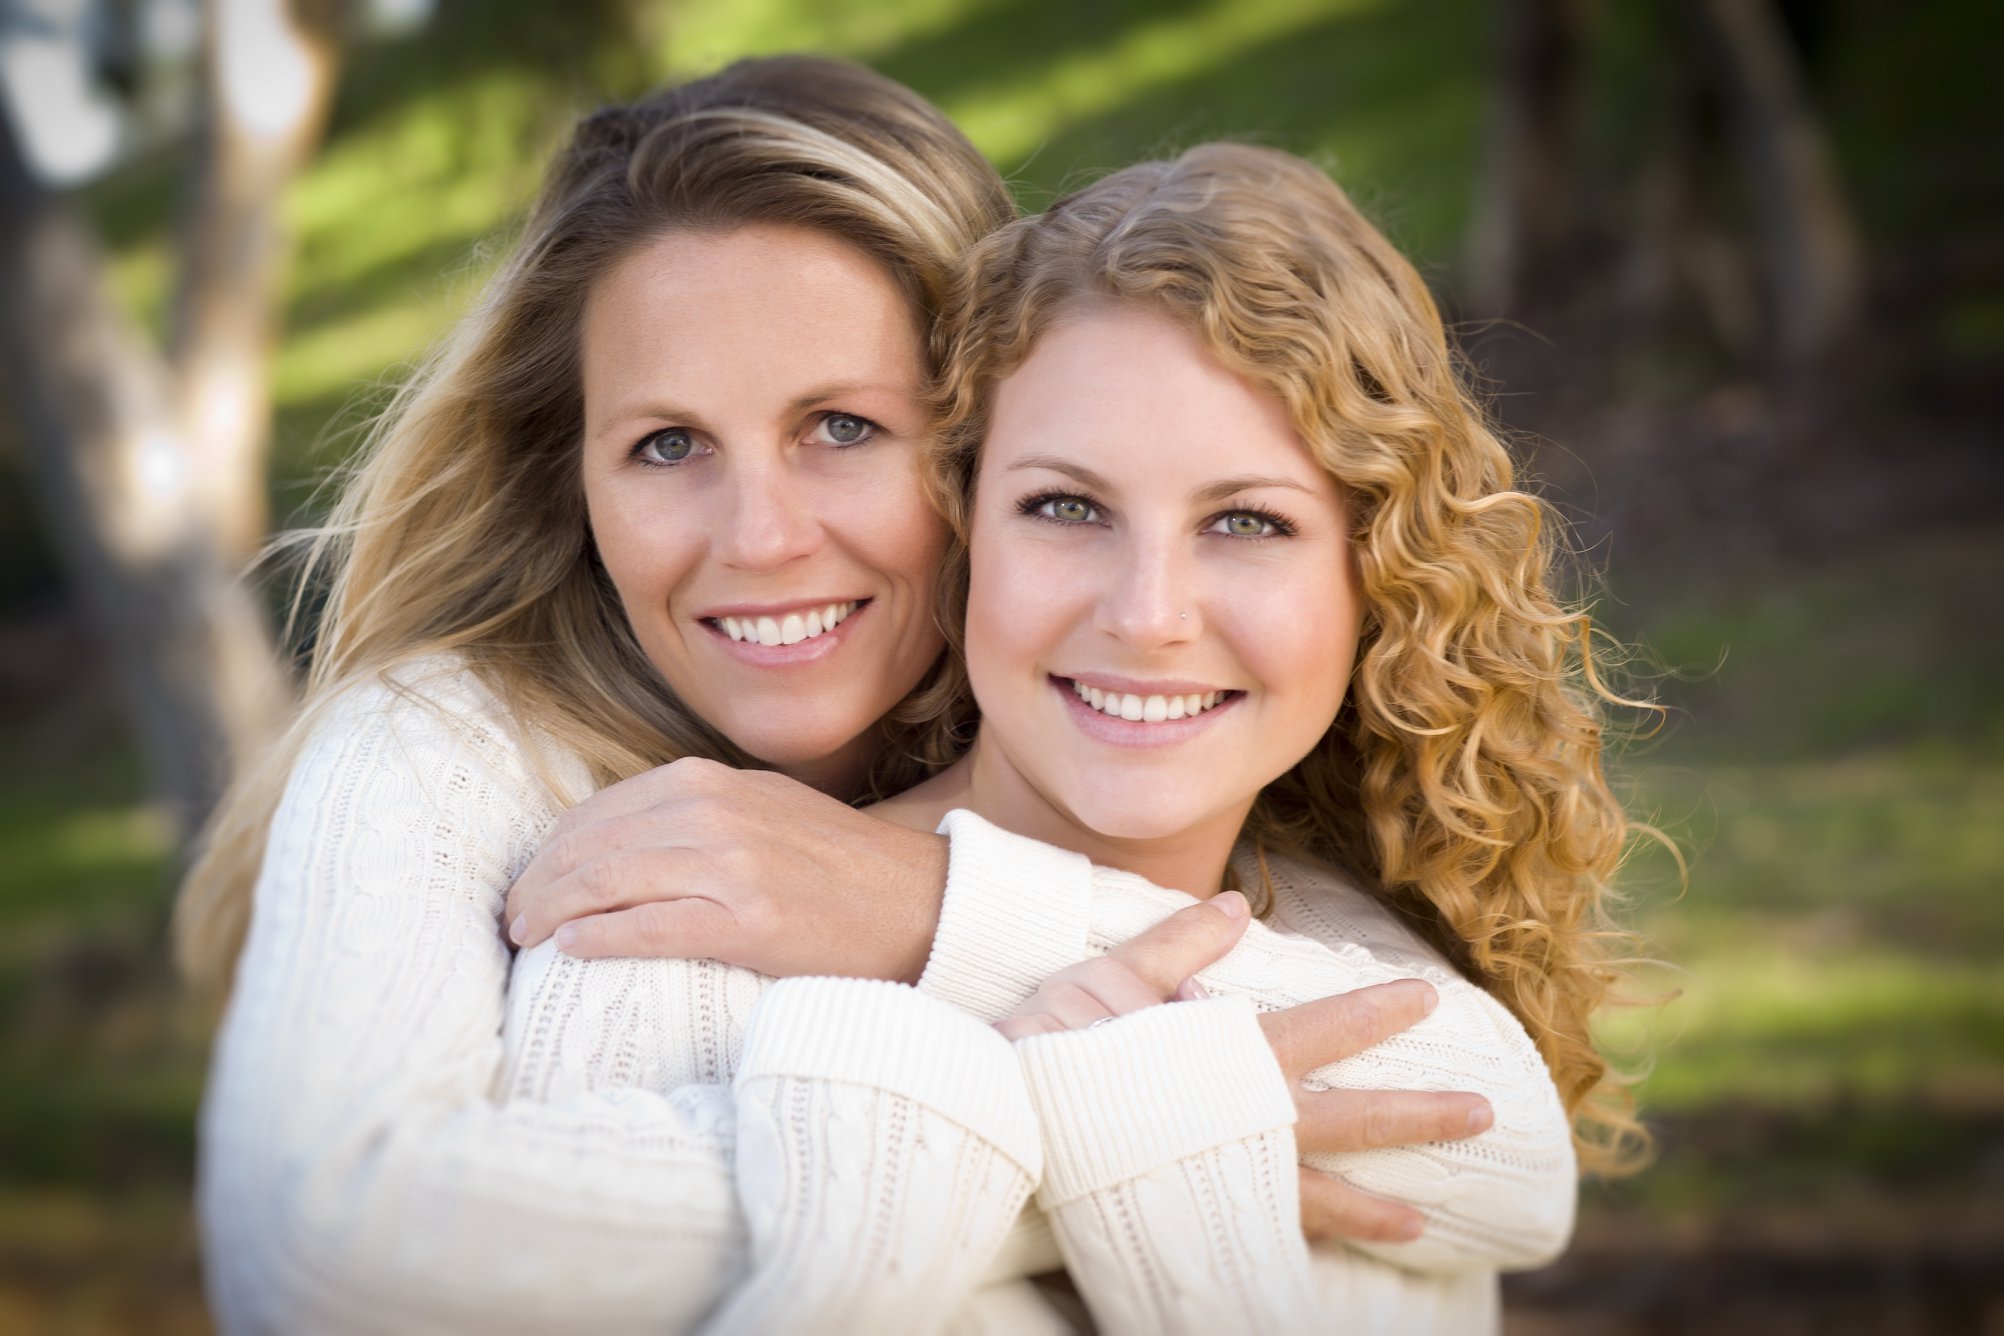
pixel 752 426
pixel 1163 611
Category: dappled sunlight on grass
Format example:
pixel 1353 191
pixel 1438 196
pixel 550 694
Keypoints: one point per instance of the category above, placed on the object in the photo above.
pixel 1769 1024
pixel 1012 119
pixel 711 33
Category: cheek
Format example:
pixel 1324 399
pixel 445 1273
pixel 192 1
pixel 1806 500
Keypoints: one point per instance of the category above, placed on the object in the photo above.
pixel 1024 598
pixel 891 527
pixel 1300 638
pixel 644 548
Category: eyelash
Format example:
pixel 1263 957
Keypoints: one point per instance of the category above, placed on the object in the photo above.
pixel 871 430
pixel 1033 505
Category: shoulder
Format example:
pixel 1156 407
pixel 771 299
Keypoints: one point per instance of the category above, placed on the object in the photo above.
pixel 1316 900
pixel 435 720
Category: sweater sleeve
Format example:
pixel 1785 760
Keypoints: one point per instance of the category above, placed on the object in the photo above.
pixel 1170 1171
pixel 1502 1199
pixel 364 1166
pixel 888 1145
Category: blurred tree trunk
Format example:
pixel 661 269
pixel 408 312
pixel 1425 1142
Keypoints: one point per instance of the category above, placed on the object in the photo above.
pixel 1528 213
pixel 1809 243
pixel 271 69
pixel 151 468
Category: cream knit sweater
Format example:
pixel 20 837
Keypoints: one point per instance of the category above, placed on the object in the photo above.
pixel 407 1129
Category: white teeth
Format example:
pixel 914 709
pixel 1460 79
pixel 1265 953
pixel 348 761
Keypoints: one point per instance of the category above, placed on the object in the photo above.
pixel 790 629
pixel 1147 709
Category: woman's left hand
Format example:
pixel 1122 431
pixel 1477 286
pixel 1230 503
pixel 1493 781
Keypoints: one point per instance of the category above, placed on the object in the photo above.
pixel 695 860
pixel 1152 968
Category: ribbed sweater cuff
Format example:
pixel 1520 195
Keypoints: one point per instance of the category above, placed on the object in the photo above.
pixel 891 1037
pixel 1152 1088
pixel 1016 911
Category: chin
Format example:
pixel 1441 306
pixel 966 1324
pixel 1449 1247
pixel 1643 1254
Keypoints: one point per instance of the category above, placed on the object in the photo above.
pixel 1138 816
pixel 805 750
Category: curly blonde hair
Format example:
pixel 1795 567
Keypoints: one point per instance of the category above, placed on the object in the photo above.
pixel 1462 779
pixel 461 529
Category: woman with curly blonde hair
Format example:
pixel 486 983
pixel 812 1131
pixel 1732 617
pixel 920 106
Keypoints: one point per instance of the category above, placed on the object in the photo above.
pixel 1249 594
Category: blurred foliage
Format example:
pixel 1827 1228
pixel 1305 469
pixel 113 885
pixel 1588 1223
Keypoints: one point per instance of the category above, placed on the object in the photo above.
pixel 1831 768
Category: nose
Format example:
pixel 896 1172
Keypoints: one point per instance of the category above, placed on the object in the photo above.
pixel 1151 599
pixel 770 520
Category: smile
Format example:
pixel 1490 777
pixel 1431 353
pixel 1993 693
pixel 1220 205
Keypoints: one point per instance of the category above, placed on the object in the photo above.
pixel 1149 709
pixel 790 629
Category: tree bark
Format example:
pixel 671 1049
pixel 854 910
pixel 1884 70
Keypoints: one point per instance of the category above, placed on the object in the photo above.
pixel 152 471
pixel 1809 243
pixel 1528 210
pixel 271 71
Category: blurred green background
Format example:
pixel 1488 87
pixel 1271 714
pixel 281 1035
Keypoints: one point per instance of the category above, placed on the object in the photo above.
pixel 1811 572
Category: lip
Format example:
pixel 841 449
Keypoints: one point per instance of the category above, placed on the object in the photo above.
pixel 776 610
pixel 1102 727
pixel 1135 686
pixel 799 654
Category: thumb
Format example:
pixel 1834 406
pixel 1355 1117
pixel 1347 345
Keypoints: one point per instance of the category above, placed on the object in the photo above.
pixel 1186 941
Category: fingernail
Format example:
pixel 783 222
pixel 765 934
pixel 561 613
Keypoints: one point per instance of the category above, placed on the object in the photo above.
pixel 1231 904
pixel 1191 991
pixel 1410 1230
pixel 1432 998
pixel 566 936
pixel 518 929
pixel 1480 1117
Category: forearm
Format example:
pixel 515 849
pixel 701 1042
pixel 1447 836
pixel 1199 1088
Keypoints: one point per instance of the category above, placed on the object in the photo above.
pixel 1503 1198
pixel 889 1146
pixel 1170 1176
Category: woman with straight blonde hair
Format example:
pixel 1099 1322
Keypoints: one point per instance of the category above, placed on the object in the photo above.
pixel 653 514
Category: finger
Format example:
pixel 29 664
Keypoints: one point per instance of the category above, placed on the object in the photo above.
pixel 1185 942
pixel 1345 1120
pixel 1112 984
pixel 621 879
pixel 1013 1028
pixel 1068 1004
pixel 573 846
pixel 1332 1209
pixel 664 930
pixel 1323 1031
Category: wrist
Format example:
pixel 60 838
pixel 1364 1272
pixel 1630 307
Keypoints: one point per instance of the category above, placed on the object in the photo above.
pixel 925 890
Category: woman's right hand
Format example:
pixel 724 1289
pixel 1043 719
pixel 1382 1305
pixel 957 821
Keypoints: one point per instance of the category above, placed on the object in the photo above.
pixel 1160 965
pixel 1327 1030
pixel 696 860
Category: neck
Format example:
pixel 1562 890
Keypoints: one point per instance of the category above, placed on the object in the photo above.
pixel 985 782
pixel 841 776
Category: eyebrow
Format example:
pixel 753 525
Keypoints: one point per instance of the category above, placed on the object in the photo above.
pixel 662 409
pixel 1220 490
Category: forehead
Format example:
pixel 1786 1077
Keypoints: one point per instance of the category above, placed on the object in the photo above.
pixel 758 297
pixel 1129 385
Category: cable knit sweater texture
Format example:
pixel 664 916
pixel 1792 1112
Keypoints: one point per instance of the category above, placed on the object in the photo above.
pixel 407 1129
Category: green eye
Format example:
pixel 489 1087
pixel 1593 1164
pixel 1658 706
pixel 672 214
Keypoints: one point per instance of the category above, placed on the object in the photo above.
pixel 1071 510
pixel 1245 526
